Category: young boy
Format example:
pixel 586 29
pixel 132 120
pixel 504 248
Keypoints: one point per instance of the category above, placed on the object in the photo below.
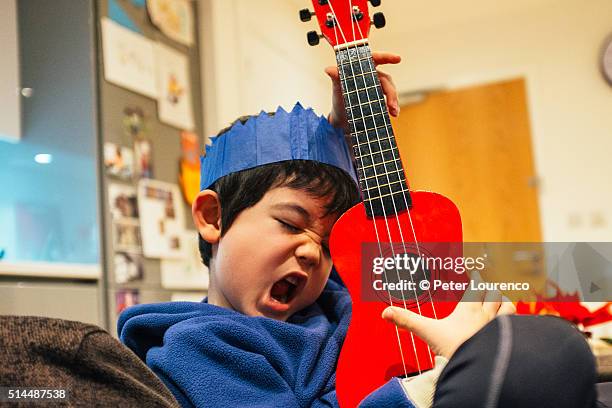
pixel 270 332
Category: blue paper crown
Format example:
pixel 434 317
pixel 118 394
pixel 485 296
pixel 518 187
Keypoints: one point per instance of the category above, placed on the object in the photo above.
pixel 298 135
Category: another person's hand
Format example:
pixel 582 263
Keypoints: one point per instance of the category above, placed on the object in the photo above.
pixel 337 117
pixel 444 336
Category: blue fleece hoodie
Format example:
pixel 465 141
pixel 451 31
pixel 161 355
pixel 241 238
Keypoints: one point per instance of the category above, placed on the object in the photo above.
pixel 210 356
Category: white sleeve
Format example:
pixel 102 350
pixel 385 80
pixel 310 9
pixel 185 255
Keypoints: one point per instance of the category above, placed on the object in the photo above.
pixel 421 388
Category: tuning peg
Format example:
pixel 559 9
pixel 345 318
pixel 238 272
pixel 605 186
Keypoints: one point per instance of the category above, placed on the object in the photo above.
pixel 306 14
pixel 323 2
pixel 375 3
pixel 313 37
pixel 378 19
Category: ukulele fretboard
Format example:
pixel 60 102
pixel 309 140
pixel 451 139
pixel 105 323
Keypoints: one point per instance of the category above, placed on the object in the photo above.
pixel 380 171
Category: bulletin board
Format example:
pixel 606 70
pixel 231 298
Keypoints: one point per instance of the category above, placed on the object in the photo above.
pixel 151 127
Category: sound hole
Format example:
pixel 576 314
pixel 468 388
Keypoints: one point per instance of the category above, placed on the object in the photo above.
pixel 403 279
pixel 397 370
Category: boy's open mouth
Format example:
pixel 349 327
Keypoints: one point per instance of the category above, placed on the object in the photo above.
pixel 286 289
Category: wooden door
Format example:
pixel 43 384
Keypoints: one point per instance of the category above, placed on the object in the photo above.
pixel 473 145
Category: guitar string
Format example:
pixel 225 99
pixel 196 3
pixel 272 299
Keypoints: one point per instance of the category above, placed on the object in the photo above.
pixel 360 169
pixel 336 27
pixel 387 125
pixel 372 71
pixel 386 173
pixel 408 212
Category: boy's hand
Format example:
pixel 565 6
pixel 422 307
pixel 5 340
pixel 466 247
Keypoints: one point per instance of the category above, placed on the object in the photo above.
pixel 337 117
pixel 444 336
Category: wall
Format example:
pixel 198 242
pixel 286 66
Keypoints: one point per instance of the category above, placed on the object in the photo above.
pixel 166 151
pixel 555 46
pixel 10 114
pixel 255 56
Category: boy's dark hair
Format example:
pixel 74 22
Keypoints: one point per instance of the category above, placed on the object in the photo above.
pixel 241 190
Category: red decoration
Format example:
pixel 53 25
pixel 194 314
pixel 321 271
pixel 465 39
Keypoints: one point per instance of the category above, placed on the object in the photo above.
pixel 567 306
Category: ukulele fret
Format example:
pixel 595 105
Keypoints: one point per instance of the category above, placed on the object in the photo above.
pixel 389 173
pixel 384 183
pixel 362 89
pixel 372 132
pixel 365 104
pixel 402 191
pixel 370 178
pixel 364 117
pixel 393 150
pixel 366 109
pixel 381 164
pixel 360 75
pixel 377 159
pixel 379 186
pixel 368 122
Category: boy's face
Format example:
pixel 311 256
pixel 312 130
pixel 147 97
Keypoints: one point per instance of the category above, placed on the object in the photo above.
pixel 274 259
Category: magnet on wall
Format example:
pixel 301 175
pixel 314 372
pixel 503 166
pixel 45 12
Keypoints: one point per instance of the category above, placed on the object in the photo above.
pixel 134 123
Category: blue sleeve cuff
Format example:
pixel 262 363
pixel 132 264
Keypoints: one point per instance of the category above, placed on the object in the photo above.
pixel 391 394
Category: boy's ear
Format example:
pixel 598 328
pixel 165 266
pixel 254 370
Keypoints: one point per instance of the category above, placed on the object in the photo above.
pixel 206 212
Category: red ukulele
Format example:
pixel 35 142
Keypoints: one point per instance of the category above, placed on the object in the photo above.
pixel 376 245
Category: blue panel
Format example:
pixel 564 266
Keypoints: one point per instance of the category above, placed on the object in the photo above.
pixel 47 211
pixel 118 15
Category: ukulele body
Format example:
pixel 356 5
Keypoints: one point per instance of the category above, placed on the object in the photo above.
pixel 371 355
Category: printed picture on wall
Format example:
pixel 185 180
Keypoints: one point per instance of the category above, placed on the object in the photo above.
pixel 187 296
pixel 174 18
pixel 125 298
pixel 118 161
pixel 188 272
pixel 163 219
pixel 129 59
pixel 143 158
pixel 174 90
pixel 123 202
pixel 128 267
pixel 126 235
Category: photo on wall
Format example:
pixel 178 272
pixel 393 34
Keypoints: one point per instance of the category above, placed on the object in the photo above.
pixel 174 103
pixel 128 267
pixel 123 202
pixel 163 219
pixel 118 161
pixel 125 298
pixel 188 273
pixel 126 235
pixel 174 18
pixel 143 158
pixel 129 59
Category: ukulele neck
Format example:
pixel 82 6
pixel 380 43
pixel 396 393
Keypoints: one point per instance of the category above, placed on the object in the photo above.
pixel 379 168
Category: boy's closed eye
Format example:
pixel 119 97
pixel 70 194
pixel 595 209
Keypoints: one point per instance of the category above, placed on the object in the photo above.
pixel 288 226
pixel 296 230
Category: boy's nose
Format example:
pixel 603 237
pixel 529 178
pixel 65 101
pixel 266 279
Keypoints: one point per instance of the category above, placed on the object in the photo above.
pixel 309 252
